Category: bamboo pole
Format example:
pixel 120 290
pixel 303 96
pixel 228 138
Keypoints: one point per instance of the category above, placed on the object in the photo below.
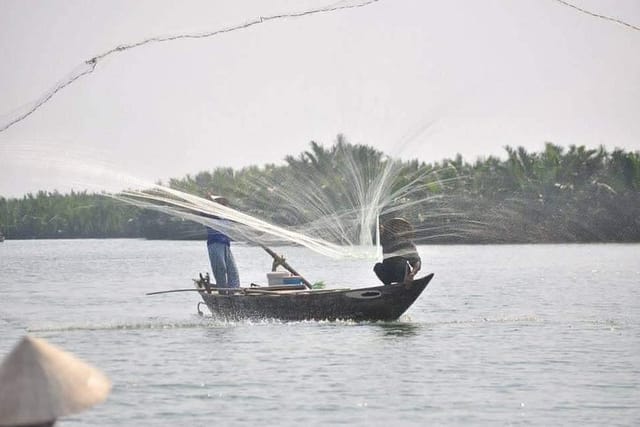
pixel 197 290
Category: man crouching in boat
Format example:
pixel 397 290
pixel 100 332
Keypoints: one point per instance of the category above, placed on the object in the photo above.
pixel 223 265
pixel 400 259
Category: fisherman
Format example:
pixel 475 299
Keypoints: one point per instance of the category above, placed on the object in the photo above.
pixel 40 383
pixel 400 261
pixel 223 265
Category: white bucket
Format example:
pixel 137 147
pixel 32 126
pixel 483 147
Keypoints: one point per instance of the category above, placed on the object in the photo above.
pixel 276 278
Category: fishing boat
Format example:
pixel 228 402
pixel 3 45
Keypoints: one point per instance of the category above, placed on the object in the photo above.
pixel 287 301
pixel 301 301
pixel 297 302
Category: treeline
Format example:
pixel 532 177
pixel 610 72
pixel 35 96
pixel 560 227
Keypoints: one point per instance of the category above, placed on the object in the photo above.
pixel 48 215
pixel 51 215
pixel 556 195
pixel 573 194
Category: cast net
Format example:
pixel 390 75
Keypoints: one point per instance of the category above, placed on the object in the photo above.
pixel 328 200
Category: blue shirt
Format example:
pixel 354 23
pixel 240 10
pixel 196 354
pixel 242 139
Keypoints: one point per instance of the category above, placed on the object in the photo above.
pixel 215 236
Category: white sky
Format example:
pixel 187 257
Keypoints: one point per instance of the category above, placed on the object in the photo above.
pixel 415 78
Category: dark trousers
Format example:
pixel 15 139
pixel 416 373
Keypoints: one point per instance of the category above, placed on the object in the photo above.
pixel 392 270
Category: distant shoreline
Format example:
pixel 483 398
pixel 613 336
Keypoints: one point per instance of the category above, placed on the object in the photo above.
pixel 558 195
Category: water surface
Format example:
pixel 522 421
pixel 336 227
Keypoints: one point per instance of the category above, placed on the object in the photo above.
pixel 503 335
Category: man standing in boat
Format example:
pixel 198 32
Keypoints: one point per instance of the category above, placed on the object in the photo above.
pixel 400 261
pixel 223 265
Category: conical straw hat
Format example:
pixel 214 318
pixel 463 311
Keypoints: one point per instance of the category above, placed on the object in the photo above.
pixel 40 382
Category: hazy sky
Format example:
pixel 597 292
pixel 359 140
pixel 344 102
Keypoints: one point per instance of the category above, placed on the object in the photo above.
pixel 417 79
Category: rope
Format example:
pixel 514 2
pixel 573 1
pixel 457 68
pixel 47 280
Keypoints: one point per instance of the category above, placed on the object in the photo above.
pixel 89 65
pixel 596 15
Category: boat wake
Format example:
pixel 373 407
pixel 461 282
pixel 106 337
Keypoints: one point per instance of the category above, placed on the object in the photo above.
pixel 209 321
pixel 160 324
pixel 201 322
pixel 206 321
pixel 506 320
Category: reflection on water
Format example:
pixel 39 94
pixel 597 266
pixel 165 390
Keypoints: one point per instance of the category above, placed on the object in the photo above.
pixel 399 329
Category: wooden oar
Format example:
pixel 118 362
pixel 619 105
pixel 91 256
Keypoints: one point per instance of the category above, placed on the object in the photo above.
pixel 278 260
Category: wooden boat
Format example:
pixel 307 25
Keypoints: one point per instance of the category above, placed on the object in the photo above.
pixel 302 302
pixel 295 303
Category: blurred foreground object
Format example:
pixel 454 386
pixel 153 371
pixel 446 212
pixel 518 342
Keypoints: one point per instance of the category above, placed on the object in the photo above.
pixel 40 383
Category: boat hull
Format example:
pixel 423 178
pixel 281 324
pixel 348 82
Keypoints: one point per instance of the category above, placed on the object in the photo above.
pixel 375 303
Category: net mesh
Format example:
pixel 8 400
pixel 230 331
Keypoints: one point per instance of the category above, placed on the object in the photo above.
pixel 328 200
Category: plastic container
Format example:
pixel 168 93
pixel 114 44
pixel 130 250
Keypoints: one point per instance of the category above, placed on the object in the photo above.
pixel 276 278
pixel 292 280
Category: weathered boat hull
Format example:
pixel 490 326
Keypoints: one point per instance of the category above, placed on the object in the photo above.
pixel 375 303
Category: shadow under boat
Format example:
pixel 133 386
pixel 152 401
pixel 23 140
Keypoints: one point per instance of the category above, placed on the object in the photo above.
pixel 296 303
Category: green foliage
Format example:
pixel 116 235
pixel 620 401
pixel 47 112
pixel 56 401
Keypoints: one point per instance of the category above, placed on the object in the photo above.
pixel 318 285
pixel 555 195
pixel 53 215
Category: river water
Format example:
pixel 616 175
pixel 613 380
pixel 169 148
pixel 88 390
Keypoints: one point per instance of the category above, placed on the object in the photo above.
pixel 503 335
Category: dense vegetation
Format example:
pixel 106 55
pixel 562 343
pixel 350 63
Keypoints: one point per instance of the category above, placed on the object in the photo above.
pixel 573 194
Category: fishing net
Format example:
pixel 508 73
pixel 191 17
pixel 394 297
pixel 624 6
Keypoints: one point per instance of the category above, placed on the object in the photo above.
pixel 328 200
